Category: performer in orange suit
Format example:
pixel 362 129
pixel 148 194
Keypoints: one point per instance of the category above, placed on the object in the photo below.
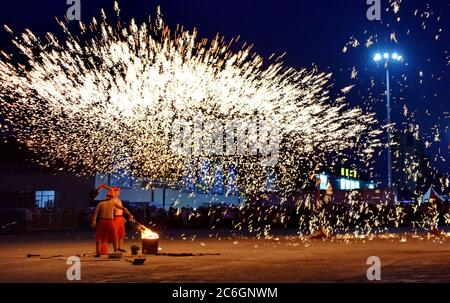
pixel 119 220
pixel 106 229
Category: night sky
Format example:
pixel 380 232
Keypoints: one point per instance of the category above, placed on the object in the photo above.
pixel 311 33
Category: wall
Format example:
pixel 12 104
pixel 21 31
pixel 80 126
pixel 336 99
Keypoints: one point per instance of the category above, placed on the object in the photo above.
pixel 17 174
pixel 173 197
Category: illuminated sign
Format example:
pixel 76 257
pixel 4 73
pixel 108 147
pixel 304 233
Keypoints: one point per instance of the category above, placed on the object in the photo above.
pixel 347 184
pixel 350 173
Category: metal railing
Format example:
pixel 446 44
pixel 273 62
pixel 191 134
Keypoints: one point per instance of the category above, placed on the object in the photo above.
pixel 52 221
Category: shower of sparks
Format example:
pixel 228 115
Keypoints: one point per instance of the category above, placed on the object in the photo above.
pixel 105 101
pixel 348 219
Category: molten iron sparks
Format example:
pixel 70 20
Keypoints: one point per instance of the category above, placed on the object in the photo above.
pixel 105 101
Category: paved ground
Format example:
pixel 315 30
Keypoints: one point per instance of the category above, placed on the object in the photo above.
pixel 285 258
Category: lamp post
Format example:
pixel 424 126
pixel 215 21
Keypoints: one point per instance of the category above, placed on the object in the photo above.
pixel 387 58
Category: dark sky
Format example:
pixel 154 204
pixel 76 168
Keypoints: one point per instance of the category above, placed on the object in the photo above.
pixel 311 32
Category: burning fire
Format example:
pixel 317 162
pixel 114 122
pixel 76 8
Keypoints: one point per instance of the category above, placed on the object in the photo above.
pixel 148 234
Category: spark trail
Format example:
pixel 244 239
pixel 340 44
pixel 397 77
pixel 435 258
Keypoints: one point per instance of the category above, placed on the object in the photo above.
pixel 104 100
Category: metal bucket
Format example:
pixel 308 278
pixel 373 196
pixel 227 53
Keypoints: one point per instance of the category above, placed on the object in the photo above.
pixel 150 246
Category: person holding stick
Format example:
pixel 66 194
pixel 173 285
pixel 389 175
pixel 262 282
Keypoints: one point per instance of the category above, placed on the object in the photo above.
pixel 106 229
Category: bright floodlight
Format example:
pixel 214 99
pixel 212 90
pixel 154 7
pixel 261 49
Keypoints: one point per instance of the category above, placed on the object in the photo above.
pixel 395 56
pixel 386 55
pixel 377 57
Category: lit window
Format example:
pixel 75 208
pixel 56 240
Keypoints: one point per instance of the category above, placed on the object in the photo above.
pixel 347 184
pixel 323 181
pixel 357 185
pixel 342 184
pixel 45 199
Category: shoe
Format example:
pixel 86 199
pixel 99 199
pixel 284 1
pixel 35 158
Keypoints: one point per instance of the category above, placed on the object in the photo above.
pixel 122 250
pixel 97 256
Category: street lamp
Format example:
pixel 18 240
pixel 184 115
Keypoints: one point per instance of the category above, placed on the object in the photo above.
pixel 388 58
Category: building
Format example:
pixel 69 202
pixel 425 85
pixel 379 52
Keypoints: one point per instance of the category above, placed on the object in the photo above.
pixel 408 156
pixel 205 188
pixel 24 184
pixel 27 185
